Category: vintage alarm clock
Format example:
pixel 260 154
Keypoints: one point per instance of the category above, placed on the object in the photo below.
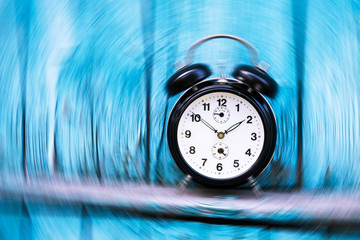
pixel 222 131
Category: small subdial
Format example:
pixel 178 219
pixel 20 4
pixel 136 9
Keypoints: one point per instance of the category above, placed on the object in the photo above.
pixel 221 114
pixel 220 150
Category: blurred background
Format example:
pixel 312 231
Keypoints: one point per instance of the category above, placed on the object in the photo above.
pixel 83 103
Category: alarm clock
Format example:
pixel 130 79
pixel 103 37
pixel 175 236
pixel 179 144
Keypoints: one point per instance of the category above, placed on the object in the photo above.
pixel 222 131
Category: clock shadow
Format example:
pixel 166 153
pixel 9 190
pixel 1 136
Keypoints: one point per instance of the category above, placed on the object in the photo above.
pixel 244 191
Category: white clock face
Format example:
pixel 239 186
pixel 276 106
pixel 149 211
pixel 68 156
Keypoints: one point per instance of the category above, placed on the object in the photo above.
pixel 220 135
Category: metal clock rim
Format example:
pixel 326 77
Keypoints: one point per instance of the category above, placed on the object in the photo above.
pixel 229 85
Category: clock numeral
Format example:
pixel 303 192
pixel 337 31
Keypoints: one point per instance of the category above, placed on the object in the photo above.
pixel 254 137
pixel 248 152
pixel 236 163
pixel 237 107
pixel 195 117
pixel 204 159
pixel 222 102
pixel 192 150
pixel 249 119
pixel 219 167
pixel 187 133
pixel 206 106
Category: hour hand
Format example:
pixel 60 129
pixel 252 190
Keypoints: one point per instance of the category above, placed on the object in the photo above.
pixel 233 127
pixel 206 123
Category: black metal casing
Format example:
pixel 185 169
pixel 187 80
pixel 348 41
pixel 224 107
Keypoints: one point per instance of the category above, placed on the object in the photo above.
pixel 240 89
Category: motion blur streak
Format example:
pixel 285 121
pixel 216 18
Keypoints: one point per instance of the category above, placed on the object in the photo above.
pixel 83 104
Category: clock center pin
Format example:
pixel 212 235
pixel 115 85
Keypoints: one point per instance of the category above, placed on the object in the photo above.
pixel 221 135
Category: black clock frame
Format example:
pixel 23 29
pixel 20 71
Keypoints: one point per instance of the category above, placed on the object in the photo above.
pixel 242 90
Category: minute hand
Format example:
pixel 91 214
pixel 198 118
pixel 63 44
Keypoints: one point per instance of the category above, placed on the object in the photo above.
pixel 233 127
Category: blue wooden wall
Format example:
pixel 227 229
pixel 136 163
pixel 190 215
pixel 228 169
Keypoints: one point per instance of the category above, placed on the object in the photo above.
pixel 82 88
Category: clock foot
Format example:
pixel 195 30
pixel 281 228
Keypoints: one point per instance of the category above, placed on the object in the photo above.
pixel 184 183
pixel 255 187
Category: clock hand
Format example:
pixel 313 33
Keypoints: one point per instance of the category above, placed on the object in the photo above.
pixel 207 124
pixel 234 126
pixel 220 114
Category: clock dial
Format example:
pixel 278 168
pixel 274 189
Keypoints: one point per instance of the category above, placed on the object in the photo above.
pixel 220 135
pixel 221 114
